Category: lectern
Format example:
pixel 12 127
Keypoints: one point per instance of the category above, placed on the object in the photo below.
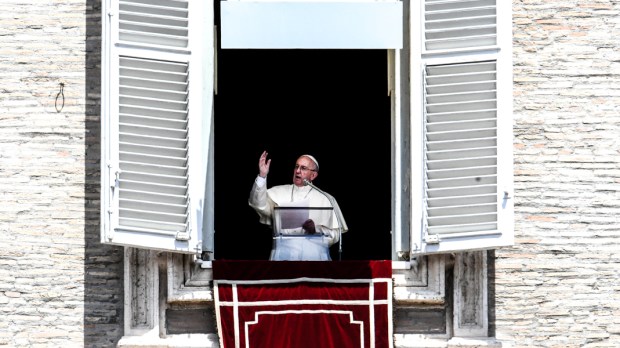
pixel 291 243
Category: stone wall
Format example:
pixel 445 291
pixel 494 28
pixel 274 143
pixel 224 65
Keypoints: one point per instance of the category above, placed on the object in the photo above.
pixel 59 287
pixel 557 287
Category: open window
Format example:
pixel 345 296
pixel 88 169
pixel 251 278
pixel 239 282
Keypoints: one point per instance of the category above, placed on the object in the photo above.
pixel 448 160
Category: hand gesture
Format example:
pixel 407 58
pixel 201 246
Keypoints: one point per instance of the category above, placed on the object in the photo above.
pixel 263 165
pixel 309 227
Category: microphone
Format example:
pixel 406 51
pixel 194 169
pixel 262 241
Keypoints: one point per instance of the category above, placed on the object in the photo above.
pixel 331 201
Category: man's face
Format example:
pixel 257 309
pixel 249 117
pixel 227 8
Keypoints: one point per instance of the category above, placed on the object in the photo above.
pixel 304 169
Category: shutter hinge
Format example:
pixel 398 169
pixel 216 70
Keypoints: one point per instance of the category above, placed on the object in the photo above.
pixel 183 236
pixel 432 239
pixel 117 176
pixel 198 248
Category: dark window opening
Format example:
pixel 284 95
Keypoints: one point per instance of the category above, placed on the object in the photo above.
pixel 332 104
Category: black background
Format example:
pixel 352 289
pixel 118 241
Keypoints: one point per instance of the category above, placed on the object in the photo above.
pixel 332 104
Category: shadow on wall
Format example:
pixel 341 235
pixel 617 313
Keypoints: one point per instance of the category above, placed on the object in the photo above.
pixel 103 264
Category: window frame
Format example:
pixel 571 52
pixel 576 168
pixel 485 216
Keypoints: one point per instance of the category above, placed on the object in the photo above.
pixel 408 139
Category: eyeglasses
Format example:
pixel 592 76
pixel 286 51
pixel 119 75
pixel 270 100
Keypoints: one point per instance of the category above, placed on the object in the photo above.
pixel 304 168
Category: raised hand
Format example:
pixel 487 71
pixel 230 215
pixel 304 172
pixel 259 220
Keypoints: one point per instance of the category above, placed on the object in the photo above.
pixel 263 165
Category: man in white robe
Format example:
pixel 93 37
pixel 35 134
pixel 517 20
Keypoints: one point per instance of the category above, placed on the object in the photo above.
pixel 319 229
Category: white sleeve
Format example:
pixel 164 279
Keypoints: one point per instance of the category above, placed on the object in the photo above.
pixel 258 200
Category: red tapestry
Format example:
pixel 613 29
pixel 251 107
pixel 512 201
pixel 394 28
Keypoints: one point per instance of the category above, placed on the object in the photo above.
pixel 303 304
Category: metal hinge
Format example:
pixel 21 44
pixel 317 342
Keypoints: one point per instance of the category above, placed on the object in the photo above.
pixel 183 236
pixel 432 239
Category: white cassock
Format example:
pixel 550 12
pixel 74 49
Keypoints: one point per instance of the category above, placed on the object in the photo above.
pixel 290 242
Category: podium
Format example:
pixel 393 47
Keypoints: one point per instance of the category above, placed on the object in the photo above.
pixel 290 243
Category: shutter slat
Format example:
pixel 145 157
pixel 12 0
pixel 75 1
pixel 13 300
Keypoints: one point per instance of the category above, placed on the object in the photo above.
pixel 463 219
pixel 446 9
pixel 469 86
pixel 465 230
pixel 460 191
pixel 439 145
pixel 460 97
pixel 462 172
pixel 154 197
pixel 131 110
pixel 126 138
pixel 150 131
pixel 170 3
pixel 146 38
pixel 144 8
pixel 153 188
pixel 453 81
pixel 154 169
pixel 457 116
pixel 163 76
pixel 155 28
pixel 152 226
pixel 464 26
pixel 462 106
pixel 151 159
pixel 437 126
pixel 152 84
pixel 177 219
pixel 467 182
pixel 153 207
pixel 175 98
pixel 155 179
pixel 153 102
pixel 156 150
pixel 460 163
pixel 460 135
pixel 460 201
pixel 152 67
pixel 157 122
pixel 128 17
pixel 472 71
pixel 463 154
pixel 457 210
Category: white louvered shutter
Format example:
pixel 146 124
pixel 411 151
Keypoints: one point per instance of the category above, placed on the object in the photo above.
pixel 156 111
pixel 466 123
